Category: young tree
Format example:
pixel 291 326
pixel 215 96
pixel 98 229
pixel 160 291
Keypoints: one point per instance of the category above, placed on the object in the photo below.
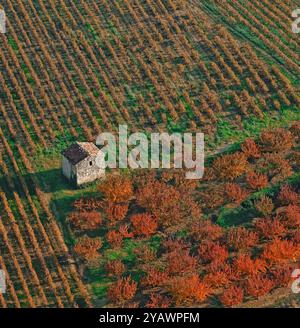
pixel 288 196
pixel 188 290
pixel 240 238
pixel 116 189
pixel 114 238
pixel 230 166
pixel 256 181
pixel 212 252
pixel 232 296
pixel 158 301
pixel 115 268
pixel 258 285
pixel 144 224
pixel 85 221
pixel 122 291
pixel 250 148
pixel 264 206
pixel 87 248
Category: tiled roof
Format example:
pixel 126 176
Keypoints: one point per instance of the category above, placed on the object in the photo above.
pixel 78 151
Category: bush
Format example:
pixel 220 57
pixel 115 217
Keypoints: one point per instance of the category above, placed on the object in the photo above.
pixel 122 291
pixel 232 296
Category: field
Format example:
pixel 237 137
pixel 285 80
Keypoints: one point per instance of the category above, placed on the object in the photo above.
pixel 71 69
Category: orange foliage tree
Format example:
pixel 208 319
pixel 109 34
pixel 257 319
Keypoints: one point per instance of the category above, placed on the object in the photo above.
pixel 230 166
pixel 256 181
pixel 116 189
pixel 144 224
pixel 240 238
pixel 84 221
pixel 122 291
pixel 232 296
pixel 250 148
pixel 87 248
pixel 258 285
pixel 188 290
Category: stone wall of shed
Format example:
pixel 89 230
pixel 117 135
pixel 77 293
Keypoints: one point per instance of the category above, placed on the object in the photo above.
pixel 88 173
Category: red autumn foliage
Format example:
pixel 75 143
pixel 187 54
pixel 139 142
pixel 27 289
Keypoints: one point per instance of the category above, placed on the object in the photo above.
pixel 288 196
pixel 235 193
pixel 116 212
pixel 114 238
pixel 181 262
pixel 155 277
pixel 250 148
pixel 116 189
pixel 216 279
pixel 282 276
pixel 256 181
pixel 85 221
pixel 175 245
pixel 122 291
pixel 87 204
pixel 87 248
pixel 161 200
pixel 206 230
pixel 115 268
pixel 291 216
pixel 145 254
pixel 258 285
pixel 270 228
pixel 232 296
pixel 158 301
pixel 264 206
pixel 123 230
pixel 244 265
pixel 240 238
pixel 213 252
pixel 281 251
pixel 276 140
pixel 188 290
pixel 230 166
pixel 144 224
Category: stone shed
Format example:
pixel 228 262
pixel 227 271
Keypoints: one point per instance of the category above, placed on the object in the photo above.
pixel 83 162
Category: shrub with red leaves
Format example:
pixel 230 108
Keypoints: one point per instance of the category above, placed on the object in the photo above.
pixel 270 228
pixel 241 239
pixel 288 196
pixel 181 262
pixel 158 301
pixel 282 276
pixel 258 285
pixel 213 252
pixel 114 238
pixel 122 291
pixel 256 181
pixel 276 140
pixel 243 264
pixel 115 268
pixel 144 224
pixel 188 290
pixel 281 251
pixel 206 230
pixel 232 296
pixel 116 212
pixel 155 277
pixel 250 148
pixel 291 216
pixel 235 193
pixel 85 221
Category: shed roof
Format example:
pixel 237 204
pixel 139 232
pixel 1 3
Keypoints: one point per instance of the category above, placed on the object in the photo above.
pixel 78 151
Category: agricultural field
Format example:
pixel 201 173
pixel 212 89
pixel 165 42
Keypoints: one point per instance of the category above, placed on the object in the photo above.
pixel 71 69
